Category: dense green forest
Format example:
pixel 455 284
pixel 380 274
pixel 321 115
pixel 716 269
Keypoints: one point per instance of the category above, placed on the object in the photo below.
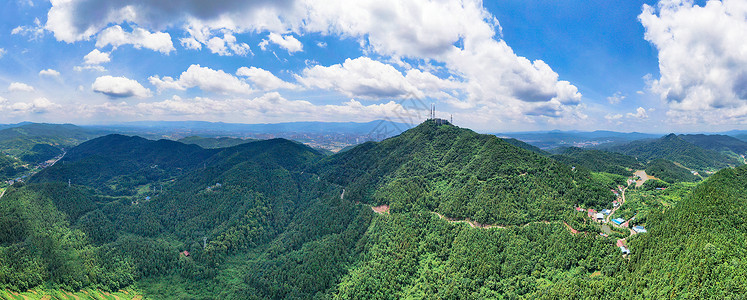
pixel 461 174
pixel 250 203
pixel 212 143
pixel 524 145
pixel 599 161
pixel 121 163
pixel 669 171
pixel 717 142
pixel 40 153
pixel 19 140
pixel 697 248
pixel 10 166
pixel 25 145
pixel 676 149
pixel 275 219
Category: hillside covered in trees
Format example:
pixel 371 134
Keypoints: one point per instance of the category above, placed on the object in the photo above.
pixel 717 142
pixel 275 219
pixel 252 198
pixel 212 143
pixel 599 161
pixel 676 149
pixel 670 172
pixel 25 147
pixel 461 174
pixel 20 139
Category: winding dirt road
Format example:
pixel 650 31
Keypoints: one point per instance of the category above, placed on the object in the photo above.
pixel 468 221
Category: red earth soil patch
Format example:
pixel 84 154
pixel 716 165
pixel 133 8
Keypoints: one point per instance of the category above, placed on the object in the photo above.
pixel 381 209
pixel 574 231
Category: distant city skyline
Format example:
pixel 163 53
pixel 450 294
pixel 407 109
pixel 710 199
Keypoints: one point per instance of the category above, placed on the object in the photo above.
pixel 497 66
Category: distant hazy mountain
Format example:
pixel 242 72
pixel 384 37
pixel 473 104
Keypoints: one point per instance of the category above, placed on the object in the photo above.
pixel 669 171
pixel 599 161
pixel 557 138
pixel 37 142
pixel 717 142
pixel 525 146
pixel 3 126
pixel 121 162
pixel 212 143
pixel 306 127
pixel 677 149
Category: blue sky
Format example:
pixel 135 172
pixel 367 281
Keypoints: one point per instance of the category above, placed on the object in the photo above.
pixel 495 66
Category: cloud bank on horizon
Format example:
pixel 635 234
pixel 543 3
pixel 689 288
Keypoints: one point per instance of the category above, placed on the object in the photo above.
pixel 292 60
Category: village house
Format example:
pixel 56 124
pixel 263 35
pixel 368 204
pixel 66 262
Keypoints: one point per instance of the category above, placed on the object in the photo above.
pixel 599 217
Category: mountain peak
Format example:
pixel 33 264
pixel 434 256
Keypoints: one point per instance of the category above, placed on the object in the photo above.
pixel 670 136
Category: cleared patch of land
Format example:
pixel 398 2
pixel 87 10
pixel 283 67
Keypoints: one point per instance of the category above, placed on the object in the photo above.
pixel 643 177
pixel 381 209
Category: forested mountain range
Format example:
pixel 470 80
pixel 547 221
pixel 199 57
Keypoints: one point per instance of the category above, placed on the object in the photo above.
pixel 599 161
pixel 121 163
pixel 24 145
pixel 679 150
pixel 275 219
pixel 669 171
pixel 212 143
pixel 18 139
pixel 556 138
pixel 454 171
pixel 692 251
pixel 310 127
pixel 717 142
pixel 525 146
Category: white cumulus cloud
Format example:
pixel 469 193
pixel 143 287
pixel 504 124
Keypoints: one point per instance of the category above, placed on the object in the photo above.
pixel 49 73
pixel 225 46
pixel 702 59
pixel 37 106
pixel 190 43
pixel 34 32
pixel 371 79
pixel 616 98
pixel 96 57
pixel 287 42
pixel 204 78
pixel 270 107
pixel 119 87
pixel 138 38
pixel 640 113
pixel 264 79
pixel 20 87
pixel 460 36
pixel 360 77
pixel 613 117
